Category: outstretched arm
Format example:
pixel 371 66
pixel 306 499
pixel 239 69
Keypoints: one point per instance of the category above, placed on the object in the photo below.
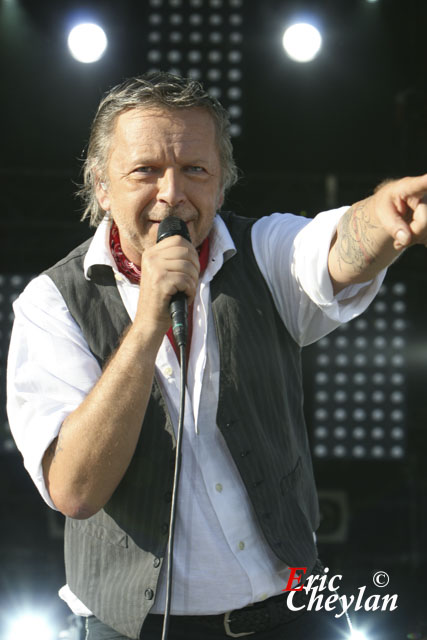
pixel 373 232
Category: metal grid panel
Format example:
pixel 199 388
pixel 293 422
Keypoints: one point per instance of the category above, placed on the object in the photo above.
pixel 360 383
pixel 201 39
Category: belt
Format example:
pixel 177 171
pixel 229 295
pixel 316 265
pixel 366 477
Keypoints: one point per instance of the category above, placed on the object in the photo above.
pixel 260 616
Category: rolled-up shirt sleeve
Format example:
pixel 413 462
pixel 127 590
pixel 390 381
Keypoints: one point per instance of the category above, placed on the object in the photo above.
pixel 50 371
pixel 292 253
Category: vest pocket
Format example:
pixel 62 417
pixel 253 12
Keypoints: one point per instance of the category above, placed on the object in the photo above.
pixel 111 536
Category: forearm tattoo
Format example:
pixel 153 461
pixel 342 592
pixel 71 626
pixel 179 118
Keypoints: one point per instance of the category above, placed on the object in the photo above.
pixel 355 246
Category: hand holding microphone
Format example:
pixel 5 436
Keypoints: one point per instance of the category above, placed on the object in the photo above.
pixel 172 226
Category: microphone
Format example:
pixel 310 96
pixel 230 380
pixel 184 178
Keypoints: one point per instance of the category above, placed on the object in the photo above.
pixel 172 226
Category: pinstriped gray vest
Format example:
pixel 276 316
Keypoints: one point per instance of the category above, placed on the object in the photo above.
pixel 113 559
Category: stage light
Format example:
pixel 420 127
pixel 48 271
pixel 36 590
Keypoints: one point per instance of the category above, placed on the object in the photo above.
pixel 358 635
pixel 87 42
pixel 29 626
pixel 302 42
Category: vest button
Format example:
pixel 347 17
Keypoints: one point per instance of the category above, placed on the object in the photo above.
pixel 168 496
pixel 156 563
pixel 149 594
pixel 165 527
pixel 243 454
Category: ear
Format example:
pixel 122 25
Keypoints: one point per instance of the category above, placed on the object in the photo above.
pixel 101 190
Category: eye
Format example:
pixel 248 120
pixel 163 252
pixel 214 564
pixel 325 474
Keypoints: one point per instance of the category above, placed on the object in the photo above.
pixel 195 169
pixel 145 170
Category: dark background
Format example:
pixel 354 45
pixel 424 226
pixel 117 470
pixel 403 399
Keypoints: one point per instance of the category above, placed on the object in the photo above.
pixel 358 114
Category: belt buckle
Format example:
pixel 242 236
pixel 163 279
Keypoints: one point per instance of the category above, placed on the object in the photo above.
pixel 228 631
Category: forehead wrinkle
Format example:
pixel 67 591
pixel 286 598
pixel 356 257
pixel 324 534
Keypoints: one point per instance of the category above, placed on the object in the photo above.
pixel 141 140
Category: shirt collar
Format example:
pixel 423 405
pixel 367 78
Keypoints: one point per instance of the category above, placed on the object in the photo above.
pixel 222 247
pixel 99 252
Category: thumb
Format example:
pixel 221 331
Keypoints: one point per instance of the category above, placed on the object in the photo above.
pixel 391 211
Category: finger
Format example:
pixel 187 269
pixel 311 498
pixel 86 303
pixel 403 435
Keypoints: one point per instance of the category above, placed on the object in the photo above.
pixel 412 186
pixel 181 267
pixel 418 224
pixel 391 215
pixel 415 201
pixel 176 247
pixel 411 192
pixel 179 283
pixel 166 274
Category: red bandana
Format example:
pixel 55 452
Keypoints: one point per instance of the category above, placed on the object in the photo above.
pixel 125 266
pixel 133 273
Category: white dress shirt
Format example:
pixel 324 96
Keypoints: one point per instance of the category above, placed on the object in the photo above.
pixel 221 559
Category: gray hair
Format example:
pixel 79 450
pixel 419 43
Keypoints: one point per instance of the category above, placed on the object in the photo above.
pixel 162 90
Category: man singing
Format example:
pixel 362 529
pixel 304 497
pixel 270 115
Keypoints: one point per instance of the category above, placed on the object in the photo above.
pixel 93 375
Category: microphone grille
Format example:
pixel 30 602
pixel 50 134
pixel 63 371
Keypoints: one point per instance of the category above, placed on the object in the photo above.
pixel 172 226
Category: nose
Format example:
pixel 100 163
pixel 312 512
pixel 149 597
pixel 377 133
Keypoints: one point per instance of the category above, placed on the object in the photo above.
pixel 170 188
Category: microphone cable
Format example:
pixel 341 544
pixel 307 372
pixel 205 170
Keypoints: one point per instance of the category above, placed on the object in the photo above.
pixel 171 226
pixel 180 430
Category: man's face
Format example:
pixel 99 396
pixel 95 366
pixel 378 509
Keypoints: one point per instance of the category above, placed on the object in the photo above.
pixel 161 162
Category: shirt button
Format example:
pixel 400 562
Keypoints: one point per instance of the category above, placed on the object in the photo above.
pixel 167 371
pixel 149 594
pixel 218 487
pixel 241 545
pixel 118 276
